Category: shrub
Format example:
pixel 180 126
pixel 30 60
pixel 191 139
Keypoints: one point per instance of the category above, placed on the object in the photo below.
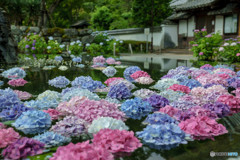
pixel 76 48
pixel 53 47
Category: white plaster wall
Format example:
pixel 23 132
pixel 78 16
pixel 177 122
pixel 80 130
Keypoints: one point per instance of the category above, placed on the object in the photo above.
pixel 219 24
pixel 191 26
pixel 183 27
pixel 171 30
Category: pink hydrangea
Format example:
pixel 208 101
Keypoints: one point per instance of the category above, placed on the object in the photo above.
pixel 8 136
pixel 181 88
pixel 224 76
pixel 110 80
pixel 17 82
pixel 202 127
pixel 23 95
pixel 83 151
pixel 171 111
pixel 110 61
pixel 199 72
pixel 116 140
pixel 138 74
pixel 99 59
pixel 144 80
pixel 232 101
pixel 2 126
pixel 118 62
pixel 53 113
pixel 211 78
pixel 237 92
pixel 225 70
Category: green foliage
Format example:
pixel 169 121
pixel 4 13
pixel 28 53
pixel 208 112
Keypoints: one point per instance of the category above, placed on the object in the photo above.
pixel 205 46
pixel 95 49
pixel 54 47
pixel 76 48
pixel 32 43
pixel 100 37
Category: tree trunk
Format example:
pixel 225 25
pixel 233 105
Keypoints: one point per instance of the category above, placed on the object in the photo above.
pixel 152 20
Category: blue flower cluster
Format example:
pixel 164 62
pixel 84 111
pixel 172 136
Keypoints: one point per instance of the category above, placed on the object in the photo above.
pixel 59 82
pixel 180 78
pixel 129 71
pixel 234 82
pixel 224 66
pixel 80 65
pixel 42 104
pixel 164 84
pixel 171 95
pixel 119 92
pixel 14 73
pixel 191 83
pixel 77 59
pixel 33 122
pixel 157 101
pixel 1 83
pixel 159 118
pixel 58 58
pixel 109 71
pixel 79 92
pixel 163 136
pixel 177 70
pixel 136 108
pixel 86 82
pixel 51 139
pixel 182 105
pixel 8 98
pixel 238 73
pixel 13 112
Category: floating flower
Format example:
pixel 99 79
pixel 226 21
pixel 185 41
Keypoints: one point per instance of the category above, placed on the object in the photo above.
pixel 164 84
pixel 128 84
pixel 32 122
pixel 49 95
pixel 129 71
pixel 139 74
pixel 110 80
pixel 220 109
pixel 22 148
pixel 99 59
pixel 119 92
pixel 109 71
pixel 58 58
pixel 171 111
pixel 159 118
pixel 106 122
pixel 51 139
pixel 136 108
pixel 83 151
pixel 202 127
pixel 144 93
pixel 14 73
pixel 86 82
pixel 163 136
pixel 7 137
pixel 77 59
pixel 41 104
pixel 144 80
pixel 181 88
pixel 17 82
pixel 53 113
pixel 116 140
pixel 59 82
pixel 8 98
pixel 63 68
pixel 80 93
pixel 157 101
pixel 171 95
pixel 110 60
pixel 232 101
pixel 23 95
pixel 191 83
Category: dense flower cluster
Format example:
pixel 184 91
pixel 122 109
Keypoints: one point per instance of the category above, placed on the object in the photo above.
pixel 41 104
pixel 80 93
pixel 232 101
pixel 207 67
pixel 99 59
pixel 119 91
pixel 109 71
pixel 59 82
pixel 17 82
pixel 159 118
pixel 129 71
pixel 191 83
pixel 86 82
pixel 171 95
pixel 49 95
pixel 8 136
pixel 110 80
pixel 14 73
pixel 128 84
pixel 181 88
pixel 58 58
pixel 219 108
pixel 171 111
pixel 110 60
pixel 23 95
pixel 144 93
pixel 53 113
pixel 8 98
pixel 157 101
pixel 164 84
pixel 77 59
pixel 144 80
pixel 139 74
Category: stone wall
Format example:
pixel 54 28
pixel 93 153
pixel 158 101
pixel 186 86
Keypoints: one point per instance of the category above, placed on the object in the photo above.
pixel 64 36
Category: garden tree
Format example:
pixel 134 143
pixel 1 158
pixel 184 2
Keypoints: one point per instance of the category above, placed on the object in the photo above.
pixel 149 13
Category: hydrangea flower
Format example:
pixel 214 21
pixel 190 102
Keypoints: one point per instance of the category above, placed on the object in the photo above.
pixel 41 104
pixel 51 139
pixel 171 95
pixel 202 127
pixel 232 101
pixel 1 83
pixel 14 73
pixel 80 65
pixel 171 111
pixel 17 82
pixel 22 148
pixel 53 113
pixel 110 80
pixel 163 136
pixel 58 58
pixel 234 82
pixel 8 98
pixel 181 88
pixel 144 80
pixel 182 105
pixel 8 136
pixel 80 93
pixel 110 100
pixel 129 71
pixel 136 108
pixel 99 59
pixel 224 66
pixel 119 92
pixel 59 82
pixel 207 67
pixel 49 95
pixel 180 78
pixel 2 126
pixel 157 101
pixel 86 82
pixel 159 118
pixel 177 70
pixel 106 122
pixel 110 60
pixel 128 84
pixel 220 109
pixel 164 84
pixel 32 122
pixel 191 83
pixel 84 151
pixel 70 126
pixel 109 71
pixel 139 74
pixel 63 68
pixel 116 140
pixel 144 93
pixel 237 92
pixel 77 59
pixel 23 95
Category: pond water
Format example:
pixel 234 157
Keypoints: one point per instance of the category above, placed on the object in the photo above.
pixel 196 150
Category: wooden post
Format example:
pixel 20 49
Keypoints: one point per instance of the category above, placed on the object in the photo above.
pixel 141 48
pixel 130 48
pixel 114 50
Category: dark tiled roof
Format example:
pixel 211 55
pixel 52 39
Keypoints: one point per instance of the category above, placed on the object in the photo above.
pixel 194 4
pixel 80 23
pixel 230 8
pixel 179 15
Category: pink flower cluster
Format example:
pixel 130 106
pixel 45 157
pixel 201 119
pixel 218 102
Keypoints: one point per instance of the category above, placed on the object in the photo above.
pixel 232 101
pixel 89 110
pixel 99 59
pixel 116 140
pixel 138 74
pixel 23 95
pixel 181 88
pixel 110 80
pixel 237 92
pixel 211 78
pixel 202 127
pixel 17 82
pixel 144 80
pixel 2 126
pixel 53 113
pixel 225 70
pixel 110 61
pixel 8 136
pixel 171 111
pixel 224 76
pixel 83 151
pixel 196 73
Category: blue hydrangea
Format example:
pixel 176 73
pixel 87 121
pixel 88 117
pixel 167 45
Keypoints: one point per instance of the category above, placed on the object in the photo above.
pixel 80 65
pixel 51 139
pixel 163 136
pixel 13 112
pixel 164 84
pixel 14 73
pixel 119 92
pixel 159 118
pixel 238 73
pixel 234 82
pixel 180 78
pixel 129 71
pixel 86 82
pixel 58 58
pixel 77 59
pixel 109 71
pixel 42 104
pixel 182 105
pixel 136 108
pixel 33 122
pixel 1 83
pixel 79 92
pixel 8 98
pixel 59 82
pixel 171 95
pixel 191 83
pixel 224 66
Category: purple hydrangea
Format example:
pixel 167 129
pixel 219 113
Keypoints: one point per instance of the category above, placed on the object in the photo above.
pixel 119 92
pixel 157 101
pixel 182 105
pixel 219 108
pixel 234 82
pixel 207 67
pixel 129 71
pixel 8 98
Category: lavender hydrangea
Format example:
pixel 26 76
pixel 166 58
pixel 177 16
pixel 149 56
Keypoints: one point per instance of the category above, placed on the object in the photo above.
pixel 14 73
pixel 219 108
pixel 86 82
pixel 234 82
pixel 8 98
pixel 182 105
pixel 119 92
pixel 157 101
pixel 109 71
pixel 130 70
pixel 70 126
pixel 180 78
pixel 159 118
pixel 136 108
pixel 59 82
pixel 238 73
pixel 51 139
pixel 33 122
